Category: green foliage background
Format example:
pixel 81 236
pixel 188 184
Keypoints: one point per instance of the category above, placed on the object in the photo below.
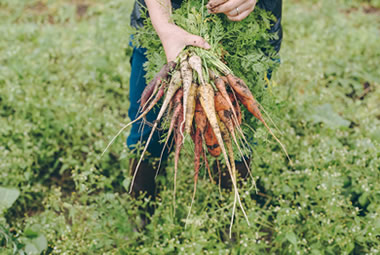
pixel 64 71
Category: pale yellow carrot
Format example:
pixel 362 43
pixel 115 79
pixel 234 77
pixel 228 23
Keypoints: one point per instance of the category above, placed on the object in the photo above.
pixel 206 98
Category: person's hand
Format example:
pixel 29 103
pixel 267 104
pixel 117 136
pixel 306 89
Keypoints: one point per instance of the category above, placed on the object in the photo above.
pixel 235 10
pixel 175 39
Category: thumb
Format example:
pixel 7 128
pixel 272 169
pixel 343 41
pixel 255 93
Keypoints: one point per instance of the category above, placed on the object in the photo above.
pixel 197 41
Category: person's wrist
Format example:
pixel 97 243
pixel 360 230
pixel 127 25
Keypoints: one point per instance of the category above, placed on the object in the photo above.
pixel 164 29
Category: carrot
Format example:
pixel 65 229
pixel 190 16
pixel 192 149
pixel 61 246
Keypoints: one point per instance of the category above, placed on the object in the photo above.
pixel 200 120
pixel 225 101
pixel 157 98
pixel 221 103
pixel 221 86
pixel 178 146
pixel 211 141
pixel 224 78
pixel 187 78
pixel 238 121
pixel 225 115
pixel 200 117
pixel 243 93
pixel 228 142
pixel 236 107
pixel 198 151
pixel 246 98
pixel 207 165
pixel 177 109
pixel 158 78
pixel 206 98
pixel 190 108
pixel 235 115
pixel 225 112
pixel 196 63
pixel 201 125
pixel 174 85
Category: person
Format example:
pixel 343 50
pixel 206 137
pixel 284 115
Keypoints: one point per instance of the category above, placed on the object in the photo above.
pixel 174 39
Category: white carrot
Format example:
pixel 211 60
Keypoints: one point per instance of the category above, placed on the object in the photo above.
pixel 187 78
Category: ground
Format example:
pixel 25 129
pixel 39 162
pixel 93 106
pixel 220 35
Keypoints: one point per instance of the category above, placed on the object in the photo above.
pixel 64 71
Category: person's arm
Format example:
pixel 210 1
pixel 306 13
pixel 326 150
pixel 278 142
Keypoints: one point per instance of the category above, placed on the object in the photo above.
pixel 235 10
pixel 173 38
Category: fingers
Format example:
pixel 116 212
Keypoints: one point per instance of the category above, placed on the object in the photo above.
pixel 227 6
pixel 197 41
pixel 243 12
pixel 239 17
pixel 213 3
pixel 235 10
pixel 171 54
pixel 246 6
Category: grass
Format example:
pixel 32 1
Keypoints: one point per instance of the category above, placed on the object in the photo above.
pixel 64 72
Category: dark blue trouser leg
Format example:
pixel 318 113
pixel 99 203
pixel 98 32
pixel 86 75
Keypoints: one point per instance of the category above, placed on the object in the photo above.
pixel 140 132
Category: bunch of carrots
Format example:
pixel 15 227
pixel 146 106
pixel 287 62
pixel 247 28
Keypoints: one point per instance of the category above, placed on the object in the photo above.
pixel 200 96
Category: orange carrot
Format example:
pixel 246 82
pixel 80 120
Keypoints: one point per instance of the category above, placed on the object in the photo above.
pixel 200 120
pixel 226 117
pixel 200 117
pixel 224 78
pixel 220 102
pixel 221 86
pixel 246 98
pixel 212 142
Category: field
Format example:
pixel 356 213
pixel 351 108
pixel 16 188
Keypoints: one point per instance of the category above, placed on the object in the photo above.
pixel 64 77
